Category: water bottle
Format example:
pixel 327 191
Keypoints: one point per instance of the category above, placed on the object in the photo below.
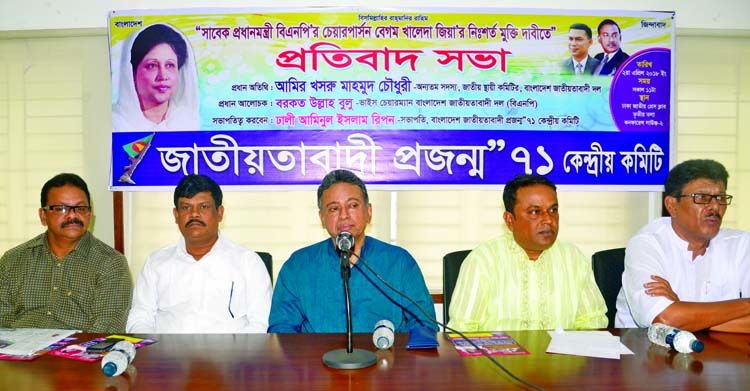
pixel 118 358
pixel 382 337
pixel 670 337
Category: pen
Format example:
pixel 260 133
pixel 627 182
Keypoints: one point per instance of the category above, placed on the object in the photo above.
pixel 231 292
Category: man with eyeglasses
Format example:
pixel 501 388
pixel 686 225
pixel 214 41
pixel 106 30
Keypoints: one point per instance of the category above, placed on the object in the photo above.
pixel 205 283
pixel 65 278
pixel 685 270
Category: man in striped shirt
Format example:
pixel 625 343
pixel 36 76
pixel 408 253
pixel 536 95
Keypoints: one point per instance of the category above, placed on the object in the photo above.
pixel 526 279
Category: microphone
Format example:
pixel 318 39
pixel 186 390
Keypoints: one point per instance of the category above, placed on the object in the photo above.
pixel 348 358
pixel 382 337
pixel 345 241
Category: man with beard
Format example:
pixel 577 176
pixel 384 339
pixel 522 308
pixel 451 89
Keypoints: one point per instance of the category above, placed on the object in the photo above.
pixel 526 279
pixel 205 283
pixel 65 278
pixel 685 270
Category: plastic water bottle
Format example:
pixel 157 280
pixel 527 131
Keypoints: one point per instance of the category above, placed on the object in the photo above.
pixel 674 338
pixel 119 357
pixel 382 337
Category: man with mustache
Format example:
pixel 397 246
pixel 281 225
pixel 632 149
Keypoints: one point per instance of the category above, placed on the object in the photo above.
pixel 685 270
pixel 309 296
pixel 205 283
pixel 610 37
pixel 65 278
pixel 526 279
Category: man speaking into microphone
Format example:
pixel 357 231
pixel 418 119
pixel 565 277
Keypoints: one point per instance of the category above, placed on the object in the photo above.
pixel 308 296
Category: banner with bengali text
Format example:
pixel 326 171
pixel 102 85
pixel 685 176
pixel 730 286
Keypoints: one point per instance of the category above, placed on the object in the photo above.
pixel 273 99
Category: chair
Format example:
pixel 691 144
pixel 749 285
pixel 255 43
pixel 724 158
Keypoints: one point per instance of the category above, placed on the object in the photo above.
pixel 268 261
pixel 451 266
pixel 608 266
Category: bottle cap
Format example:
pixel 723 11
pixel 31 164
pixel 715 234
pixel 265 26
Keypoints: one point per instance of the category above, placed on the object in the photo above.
pixel 383 343
pixel 697 346
pixel 109 368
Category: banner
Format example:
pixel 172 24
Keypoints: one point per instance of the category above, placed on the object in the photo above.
pixel 447 98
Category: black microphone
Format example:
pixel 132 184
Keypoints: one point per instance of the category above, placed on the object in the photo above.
pixel 345 241
pixel 348 358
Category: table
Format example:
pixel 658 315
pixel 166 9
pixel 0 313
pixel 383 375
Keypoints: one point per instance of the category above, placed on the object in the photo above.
pixel 293 362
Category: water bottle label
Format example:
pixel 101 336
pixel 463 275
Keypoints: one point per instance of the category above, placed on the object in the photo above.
pixel 670 338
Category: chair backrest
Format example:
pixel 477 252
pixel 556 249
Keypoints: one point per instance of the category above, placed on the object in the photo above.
pixel 268 261
pixel 451 266
pixel 608 266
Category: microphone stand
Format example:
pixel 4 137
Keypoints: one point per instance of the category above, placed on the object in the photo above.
pixel 348 358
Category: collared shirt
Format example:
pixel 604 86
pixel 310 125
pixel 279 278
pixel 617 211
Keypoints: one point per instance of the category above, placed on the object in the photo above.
pixel 88 289
pixel 722 273
pixel 309 293
pixel 227 291
pixel 499 288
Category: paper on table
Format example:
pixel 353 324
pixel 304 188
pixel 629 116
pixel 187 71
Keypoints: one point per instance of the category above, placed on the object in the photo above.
pixel 600 344
pixel 28 341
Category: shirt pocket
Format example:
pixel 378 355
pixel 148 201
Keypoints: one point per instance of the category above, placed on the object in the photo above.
pixel 721 286
pixel 226 298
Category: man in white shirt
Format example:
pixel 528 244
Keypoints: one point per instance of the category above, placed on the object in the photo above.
pixel 580 39
pixel 685 270
pixel 205 283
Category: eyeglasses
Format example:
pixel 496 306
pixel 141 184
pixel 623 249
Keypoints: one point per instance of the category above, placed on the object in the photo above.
pixel 82 210
pixel 702 198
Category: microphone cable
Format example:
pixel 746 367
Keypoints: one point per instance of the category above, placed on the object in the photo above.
pixel 428 316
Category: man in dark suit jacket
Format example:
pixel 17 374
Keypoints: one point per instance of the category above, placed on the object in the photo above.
pixel 579 41
pixel 610 37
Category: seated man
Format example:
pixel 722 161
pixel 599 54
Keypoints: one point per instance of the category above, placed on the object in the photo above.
pixel 309 294
pixel 205 283
pixel 65 278
pixel 685 270
pixel 526 279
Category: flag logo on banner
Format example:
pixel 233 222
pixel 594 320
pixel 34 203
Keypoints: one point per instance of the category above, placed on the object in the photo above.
pixel 136 150
pixel 136 147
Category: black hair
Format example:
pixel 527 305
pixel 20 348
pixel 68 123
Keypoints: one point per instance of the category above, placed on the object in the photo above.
pixel 61 180
pixel 338 176
pixel 510 191
pixel 689 170
pixel 154 35
pixel 581 26
pixel 606 22
pixel 193 184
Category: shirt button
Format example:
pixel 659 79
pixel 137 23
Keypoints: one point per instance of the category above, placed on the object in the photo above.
pixel 49 312
pixel 70 293
pixel 58 264
pixel 54 288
